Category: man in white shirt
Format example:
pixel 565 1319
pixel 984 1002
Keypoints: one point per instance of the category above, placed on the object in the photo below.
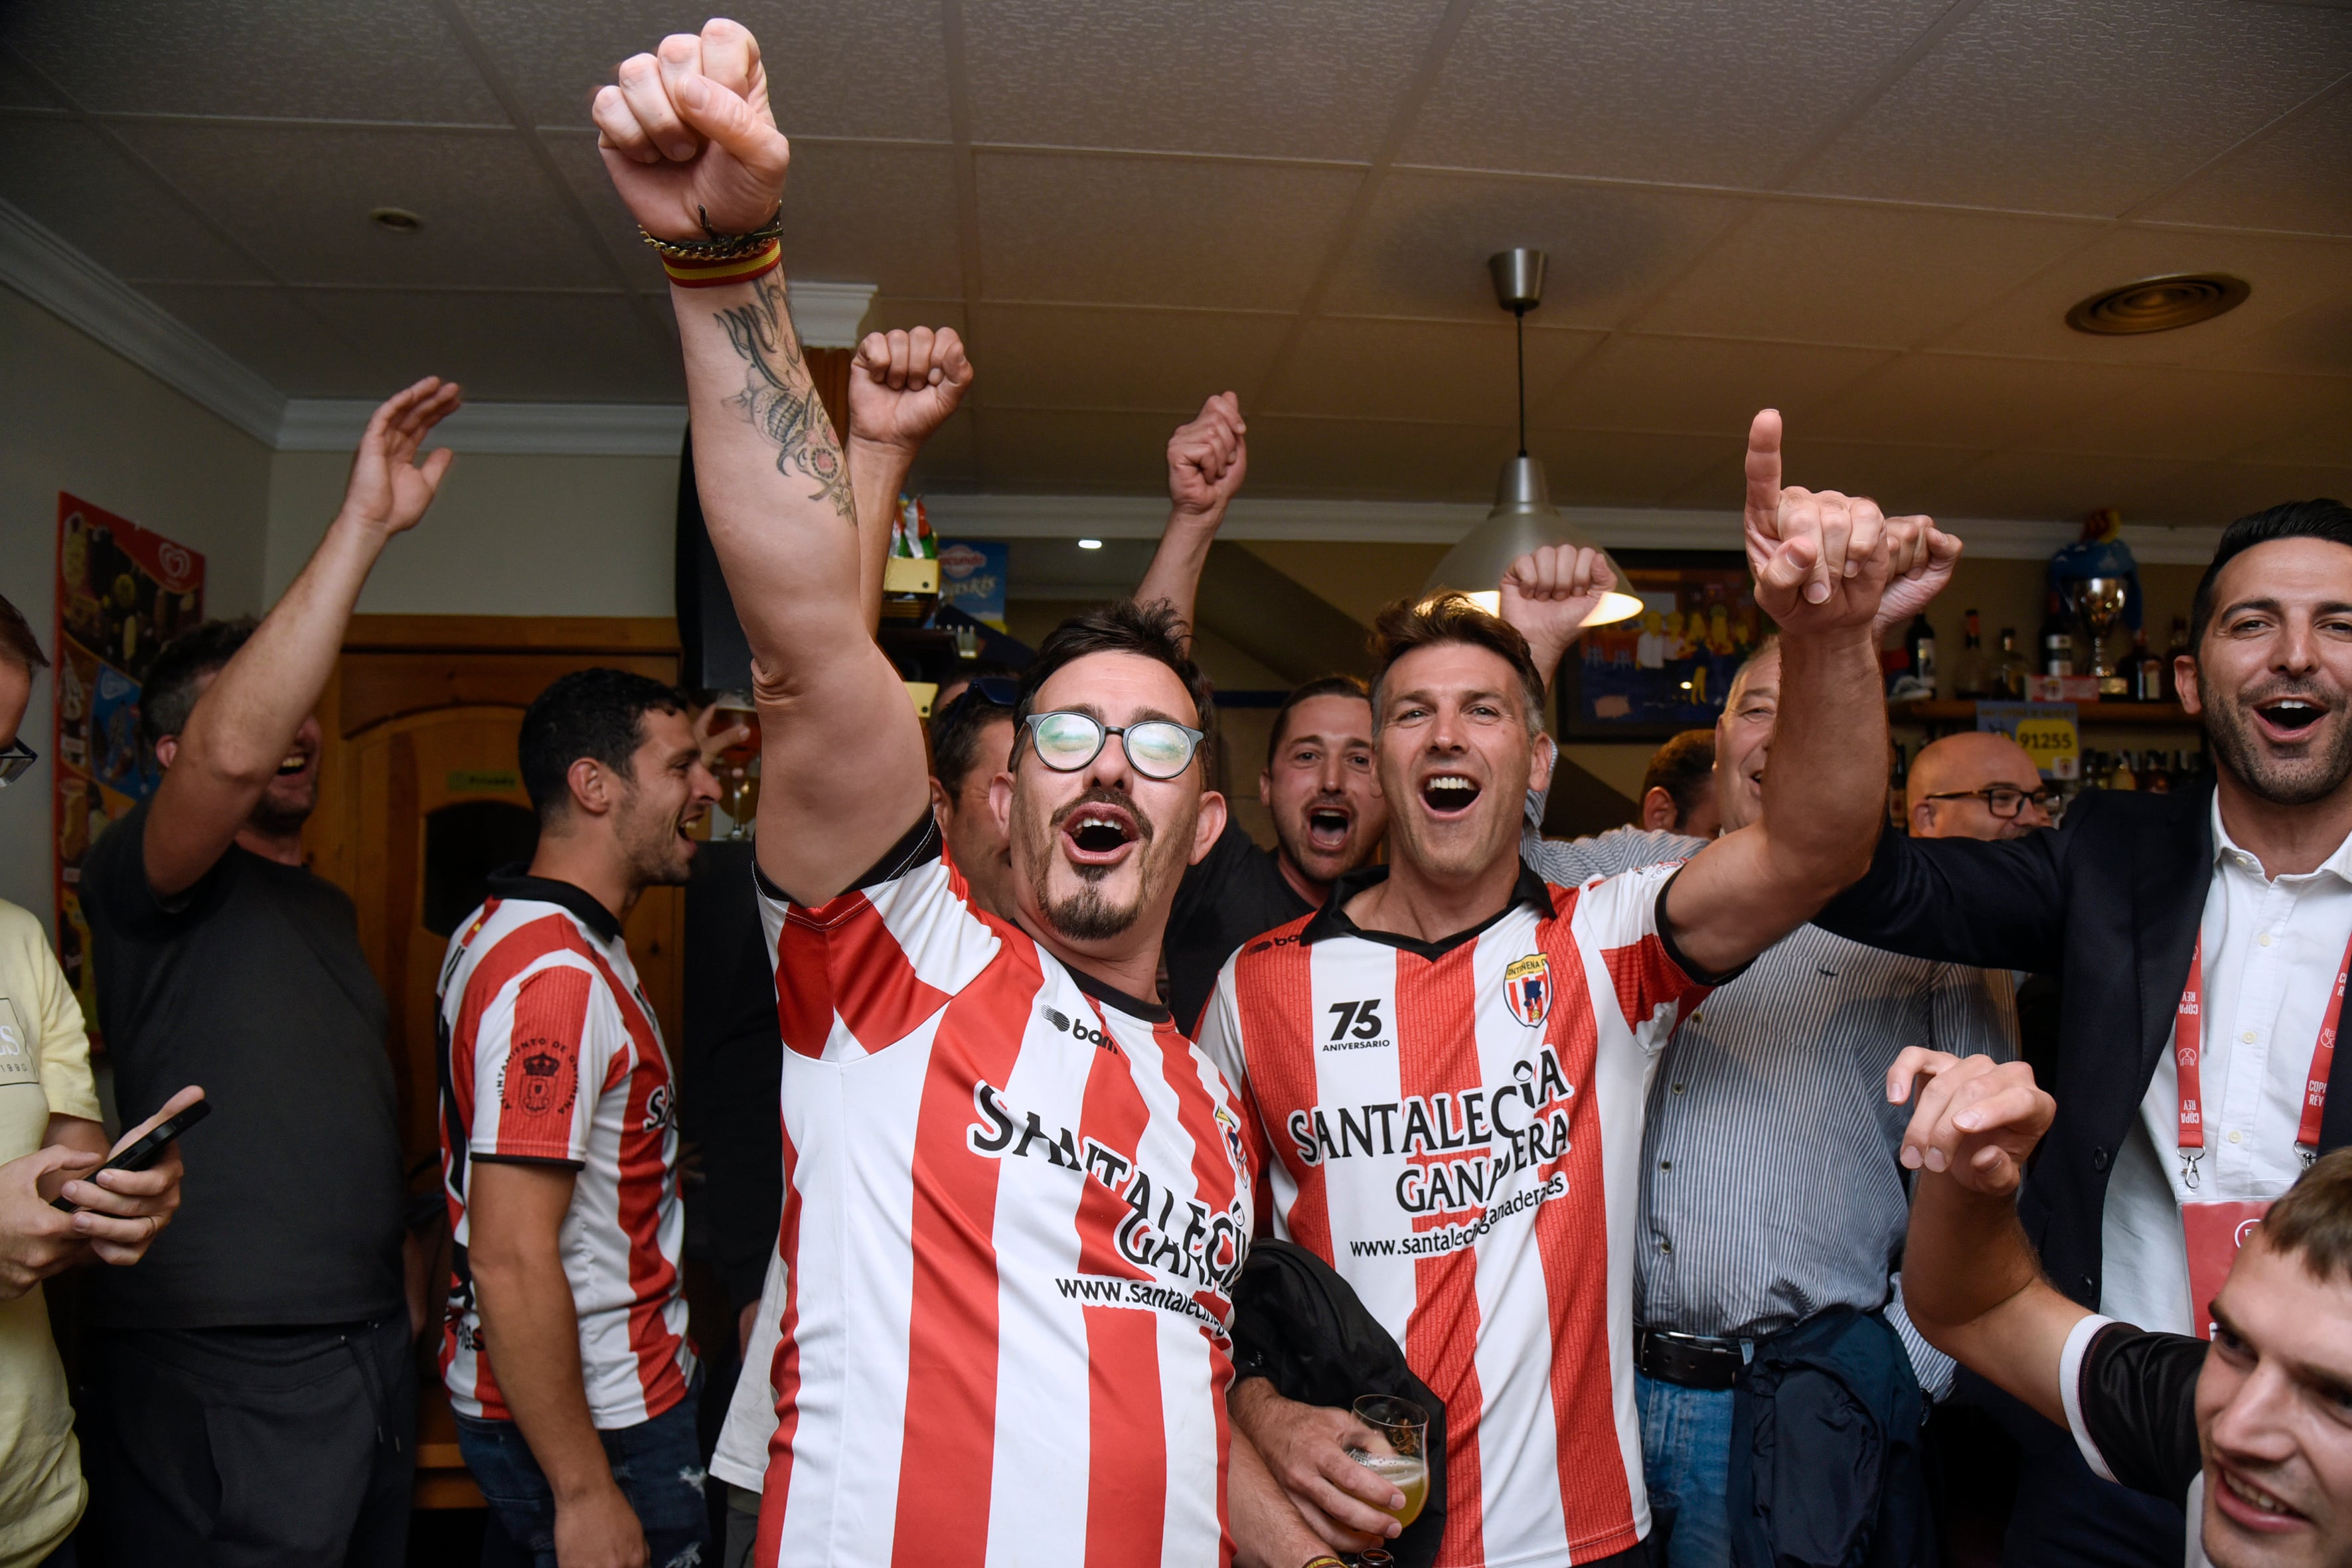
pixel 2227 910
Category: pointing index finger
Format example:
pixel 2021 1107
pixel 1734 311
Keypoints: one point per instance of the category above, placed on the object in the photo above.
pixel 1764 472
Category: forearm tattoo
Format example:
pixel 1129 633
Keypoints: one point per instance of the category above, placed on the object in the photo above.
pixel 779 398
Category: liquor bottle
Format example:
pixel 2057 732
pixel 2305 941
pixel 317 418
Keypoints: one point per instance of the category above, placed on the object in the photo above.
pixel 1972 674
pixel 1898 780
pixel 2012 666
pixel 2057 640
pixel 2146 670
pixel 2126 776
pixel 1919 647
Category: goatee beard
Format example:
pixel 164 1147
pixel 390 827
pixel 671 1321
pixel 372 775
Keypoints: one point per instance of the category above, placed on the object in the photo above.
pixel 2297 782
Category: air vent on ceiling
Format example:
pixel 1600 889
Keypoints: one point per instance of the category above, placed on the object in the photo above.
pixel 2160 304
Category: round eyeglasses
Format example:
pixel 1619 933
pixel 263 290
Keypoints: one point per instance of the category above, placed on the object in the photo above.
pixel 1066 742
pixel 2006 802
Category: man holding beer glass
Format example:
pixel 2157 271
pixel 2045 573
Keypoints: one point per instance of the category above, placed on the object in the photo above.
pixel 1015 1198
pixel 1447 1065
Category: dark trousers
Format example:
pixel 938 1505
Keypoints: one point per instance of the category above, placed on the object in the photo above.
pixel 256 1448
pixel 657 1464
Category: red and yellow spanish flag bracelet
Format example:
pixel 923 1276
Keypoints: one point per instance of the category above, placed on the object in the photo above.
pixel 699 274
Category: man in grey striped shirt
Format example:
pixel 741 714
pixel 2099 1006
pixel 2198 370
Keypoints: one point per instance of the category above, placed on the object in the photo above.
pixel 1770 1190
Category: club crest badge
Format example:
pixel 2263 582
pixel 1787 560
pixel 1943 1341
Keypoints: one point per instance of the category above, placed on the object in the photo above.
pixel 1232 1129
pixel 1526 989
pixel 537 1082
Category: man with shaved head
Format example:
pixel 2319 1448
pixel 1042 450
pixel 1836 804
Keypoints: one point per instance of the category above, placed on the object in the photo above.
pixel 1977 784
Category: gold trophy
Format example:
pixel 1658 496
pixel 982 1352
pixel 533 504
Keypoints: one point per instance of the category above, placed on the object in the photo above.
pixel 2098 602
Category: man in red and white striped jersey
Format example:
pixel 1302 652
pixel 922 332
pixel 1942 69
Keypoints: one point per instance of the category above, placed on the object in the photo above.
pixel 1015 1198
pixel 1447 1065
pixel 565 1352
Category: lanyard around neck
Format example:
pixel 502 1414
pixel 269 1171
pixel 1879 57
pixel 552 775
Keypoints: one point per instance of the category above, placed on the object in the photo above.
pixel 2187 1042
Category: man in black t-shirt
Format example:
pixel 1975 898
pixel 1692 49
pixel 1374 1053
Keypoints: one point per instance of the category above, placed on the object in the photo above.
pixel 2252 1433
pixel 258 1393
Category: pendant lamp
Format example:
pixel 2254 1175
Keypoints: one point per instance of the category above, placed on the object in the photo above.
pixel 1524 516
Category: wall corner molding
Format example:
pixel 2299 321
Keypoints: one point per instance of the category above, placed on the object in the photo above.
pixel 51 273
pixel 827 315
pixel 536 429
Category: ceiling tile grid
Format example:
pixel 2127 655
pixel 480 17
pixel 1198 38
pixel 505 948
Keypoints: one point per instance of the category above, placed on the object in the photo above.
pixel 1173 199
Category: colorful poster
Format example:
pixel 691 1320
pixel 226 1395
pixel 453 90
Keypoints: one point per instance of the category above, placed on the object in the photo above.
pixel 973 575
pixel 123 592
pixel 1668 669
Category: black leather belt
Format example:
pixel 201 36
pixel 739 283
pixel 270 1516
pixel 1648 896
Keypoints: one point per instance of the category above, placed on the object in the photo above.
pixel 1690 1360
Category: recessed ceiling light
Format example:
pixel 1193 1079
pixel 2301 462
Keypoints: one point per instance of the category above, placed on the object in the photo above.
pixel 1090 544
pixel 2160 304
pixel 397 220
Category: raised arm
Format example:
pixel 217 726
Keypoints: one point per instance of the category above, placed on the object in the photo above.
pixel 693 149
pixel 902 387
pixel 1547 592
pixel 242 727
pixel 1207 460
pixel 1970 1281
pixel 1822 562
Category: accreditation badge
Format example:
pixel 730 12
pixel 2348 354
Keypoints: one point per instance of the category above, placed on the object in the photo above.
pixel 2214 1232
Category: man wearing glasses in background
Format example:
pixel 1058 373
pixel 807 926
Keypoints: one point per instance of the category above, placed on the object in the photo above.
pixel 1978 785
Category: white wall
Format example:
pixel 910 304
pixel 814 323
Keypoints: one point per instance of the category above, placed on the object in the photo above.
pixel 509 535
pixel 76 416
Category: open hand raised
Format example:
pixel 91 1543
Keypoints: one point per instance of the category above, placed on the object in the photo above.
pixel 904 384
pixel 389 489
pixel 1209 458
pixel 687 136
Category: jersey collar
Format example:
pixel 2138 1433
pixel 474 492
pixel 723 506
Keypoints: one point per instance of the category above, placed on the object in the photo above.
pixel 1111 996
pixel 1332 920
pixel 514 882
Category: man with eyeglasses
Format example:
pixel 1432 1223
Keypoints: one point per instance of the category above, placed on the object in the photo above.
pixel 1979 783
pixel 1017 1199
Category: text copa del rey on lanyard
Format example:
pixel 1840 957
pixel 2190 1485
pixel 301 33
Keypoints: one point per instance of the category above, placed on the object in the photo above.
pixel 2187 1049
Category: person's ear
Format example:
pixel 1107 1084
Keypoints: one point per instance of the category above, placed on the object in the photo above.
pixel 1923 820
pixel 1265 788
pixel 1540 757
pixel 591 785
pixel 1000 803
pixel 166 748
pixel 1207 826
pixel 1659 811
pixel 942 804
pixel 2184 684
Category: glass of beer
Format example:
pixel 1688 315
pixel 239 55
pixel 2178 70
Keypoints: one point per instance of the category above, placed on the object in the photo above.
pixel 1397 1450
pixel 738 766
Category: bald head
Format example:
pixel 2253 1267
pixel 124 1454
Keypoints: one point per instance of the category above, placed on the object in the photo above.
pixel 1959 764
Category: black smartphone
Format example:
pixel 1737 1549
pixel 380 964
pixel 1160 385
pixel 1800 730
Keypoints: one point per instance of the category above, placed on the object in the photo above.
pixel 148 1150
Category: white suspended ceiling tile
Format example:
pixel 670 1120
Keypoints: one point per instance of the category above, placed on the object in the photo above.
pixel 2297 177
pixel 301 197
pixel 884 216
pixel 341 59
pixel 2212 494
pixel 1373 460
pixel 1423 245
pixel 1373 368
pixel 1310 78
pixel 2083 106
pixel 518 348
pixel 1636 382
pixel 2313 341
pixel 1155 231
pixel 2325 443
pixel 19 88
pixel 582 170
pixel 285 339
pixel 66 177
pixel 835 67
pixel 2063 485
pixel 1045 356
pixel 1966 400
pixel 1685 91
pixel 2289 276
pixel 1902 479
pixel 1045 451
pixel 1849 273
pixel 2202 414
pixel 1614 468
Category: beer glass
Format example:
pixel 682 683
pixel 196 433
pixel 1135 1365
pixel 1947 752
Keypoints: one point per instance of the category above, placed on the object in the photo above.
pixel 738 766
pixel 1399 1449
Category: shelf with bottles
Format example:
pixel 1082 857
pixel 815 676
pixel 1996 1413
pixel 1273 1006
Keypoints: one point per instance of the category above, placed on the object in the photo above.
pixel 1962 712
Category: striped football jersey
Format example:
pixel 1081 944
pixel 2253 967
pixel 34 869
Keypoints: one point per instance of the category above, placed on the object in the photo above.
pixel 1015 1204
pixel 1457 1128
pixel 549 1054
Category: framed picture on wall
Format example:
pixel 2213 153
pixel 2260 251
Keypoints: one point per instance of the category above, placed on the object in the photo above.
pixel 1668 669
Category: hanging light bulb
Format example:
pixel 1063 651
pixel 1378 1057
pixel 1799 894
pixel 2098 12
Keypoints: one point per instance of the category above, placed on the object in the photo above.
pixel 1523 518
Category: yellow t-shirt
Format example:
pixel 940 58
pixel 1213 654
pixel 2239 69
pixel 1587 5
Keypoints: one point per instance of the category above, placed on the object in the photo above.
pixel 44 1071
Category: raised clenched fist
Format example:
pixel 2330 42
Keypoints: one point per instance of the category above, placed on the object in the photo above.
pixel 1547 595
pixel 1209 458
pixel 687 136
pixel 904 384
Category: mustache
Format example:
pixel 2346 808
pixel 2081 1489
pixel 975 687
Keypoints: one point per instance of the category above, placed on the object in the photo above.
pixel 2310 689
pixel 1103 794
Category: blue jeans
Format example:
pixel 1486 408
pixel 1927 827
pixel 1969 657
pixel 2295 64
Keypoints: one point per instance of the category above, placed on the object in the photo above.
pixel 657 1464
pixel 1686 1464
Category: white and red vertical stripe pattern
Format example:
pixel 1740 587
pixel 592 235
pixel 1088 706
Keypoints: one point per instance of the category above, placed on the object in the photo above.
pixel 1472 1169
pixel 1013 1216
pixel 555 1057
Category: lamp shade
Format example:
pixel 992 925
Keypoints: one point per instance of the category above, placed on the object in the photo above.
pixel 1523 519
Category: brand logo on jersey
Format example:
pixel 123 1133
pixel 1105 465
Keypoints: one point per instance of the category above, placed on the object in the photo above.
pixel 1526 989
pixel 1158 1232
pixel 1096 1037
pixel 658 1107
pixel 536 1082
pixel 1271 941
pixel 1460 1149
